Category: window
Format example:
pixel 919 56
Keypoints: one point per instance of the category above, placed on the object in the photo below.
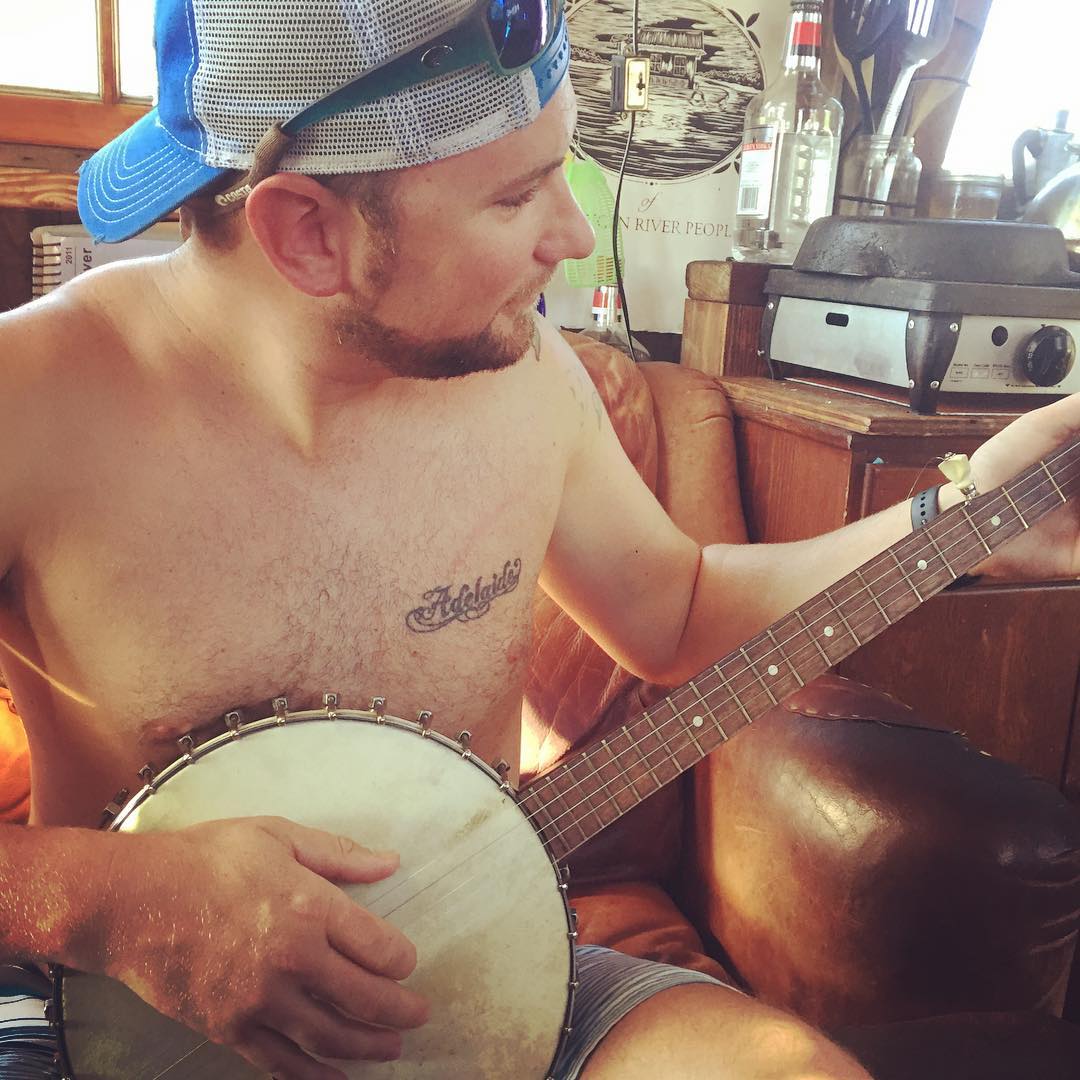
pixel 1024 74
pixel 74 72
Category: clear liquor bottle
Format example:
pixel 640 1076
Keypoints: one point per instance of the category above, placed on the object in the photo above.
pixel 791 144
pixel 608 326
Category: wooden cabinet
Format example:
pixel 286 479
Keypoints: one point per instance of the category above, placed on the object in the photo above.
pixel 999 662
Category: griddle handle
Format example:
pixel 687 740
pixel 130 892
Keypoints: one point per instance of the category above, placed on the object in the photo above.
pixel 930 343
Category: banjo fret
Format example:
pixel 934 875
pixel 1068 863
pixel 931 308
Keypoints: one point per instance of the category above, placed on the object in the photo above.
pixel 480 860
pixel 668 739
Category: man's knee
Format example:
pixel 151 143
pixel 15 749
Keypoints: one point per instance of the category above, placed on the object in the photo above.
pixel 776 1046
pixel 706 1031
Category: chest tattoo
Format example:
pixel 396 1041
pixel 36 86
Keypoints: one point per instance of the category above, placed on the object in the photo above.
pixel 443 605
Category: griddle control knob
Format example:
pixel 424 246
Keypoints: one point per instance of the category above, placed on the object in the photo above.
pixel 1048 355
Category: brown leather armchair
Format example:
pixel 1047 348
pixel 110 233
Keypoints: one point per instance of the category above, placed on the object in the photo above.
pixel 844 859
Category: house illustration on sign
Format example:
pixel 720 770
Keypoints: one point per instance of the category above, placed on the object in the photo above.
pixel 674 55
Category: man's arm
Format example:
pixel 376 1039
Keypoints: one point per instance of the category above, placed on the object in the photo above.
pixel 293 966
pixel 666 609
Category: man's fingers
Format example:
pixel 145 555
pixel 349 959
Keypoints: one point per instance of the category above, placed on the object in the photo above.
pixel 284 1060
pixel 369 941
pixel 336 858
pixel 367 997
pixel 321 1029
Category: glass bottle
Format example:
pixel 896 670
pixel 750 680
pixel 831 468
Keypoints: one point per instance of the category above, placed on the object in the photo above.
pixel 791 143
pixel 608 326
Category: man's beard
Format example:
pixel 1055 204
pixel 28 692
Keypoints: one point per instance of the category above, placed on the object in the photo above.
pixel 409 357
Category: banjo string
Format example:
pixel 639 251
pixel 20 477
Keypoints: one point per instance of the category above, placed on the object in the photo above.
pixel 758 694
pixel 586 757
pixel 180 1061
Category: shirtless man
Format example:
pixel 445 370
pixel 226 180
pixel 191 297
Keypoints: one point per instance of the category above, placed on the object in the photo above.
pixel 268 447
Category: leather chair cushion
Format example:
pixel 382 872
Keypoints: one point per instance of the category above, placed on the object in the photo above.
pixel 813 832
pixel 641 919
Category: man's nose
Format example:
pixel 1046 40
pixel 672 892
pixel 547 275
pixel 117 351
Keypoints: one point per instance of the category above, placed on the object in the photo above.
pixel 569 236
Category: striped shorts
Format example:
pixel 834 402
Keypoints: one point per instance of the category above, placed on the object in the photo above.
pixel 610 984
pixel 27 1043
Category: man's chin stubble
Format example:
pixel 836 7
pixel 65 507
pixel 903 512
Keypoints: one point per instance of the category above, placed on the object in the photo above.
pixel 407 357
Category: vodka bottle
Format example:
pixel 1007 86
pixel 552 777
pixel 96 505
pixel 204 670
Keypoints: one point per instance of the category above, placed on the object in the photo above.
pixel 608 326
pixel 791 144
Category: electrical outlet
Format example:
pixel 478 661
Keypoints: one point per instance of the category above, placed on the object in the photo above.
pixel 629 83
pixel 637 83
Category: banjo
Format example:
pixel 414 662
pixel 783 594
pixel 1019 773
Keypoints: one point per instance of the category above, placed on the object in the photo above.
pixel 480 889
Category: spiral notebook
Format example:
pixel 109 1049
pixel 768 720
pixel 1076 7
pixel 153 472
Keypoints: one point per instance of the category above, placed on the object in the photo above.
pixel 60 252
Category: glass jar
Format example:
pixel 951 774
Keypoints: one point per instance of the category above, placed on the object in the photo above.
pixel 971 197
pixel 879 177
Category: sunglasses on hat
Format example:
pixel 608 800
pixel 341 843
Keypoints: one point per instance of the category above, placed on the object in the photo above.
pixel 507 35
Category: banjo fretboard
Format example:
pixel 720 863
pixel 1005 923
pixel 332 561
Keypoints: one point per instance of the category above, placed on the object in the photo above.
pixel 573 802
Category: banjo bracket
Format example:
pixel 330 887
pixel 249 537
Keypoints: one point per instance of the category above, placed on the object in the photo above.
pixel 113 808
pixel 187 746
pixel 331 701
pixel 149 776
pixel 464 741
pixel 378 707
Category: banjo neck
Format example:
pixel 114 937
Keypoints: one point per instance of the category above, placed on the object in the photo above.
pixel 573 802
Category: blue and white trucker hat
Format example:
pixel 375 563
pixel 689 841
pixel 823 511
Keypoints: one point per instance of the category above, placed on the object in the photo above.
pixel 449 75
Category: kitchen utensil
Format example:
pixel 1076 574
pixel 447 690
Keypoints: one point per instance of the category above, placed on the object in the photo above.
pixel 918 37
pixel 1052 152
pixel 859 26
pixel 927 92
pixel 1058 204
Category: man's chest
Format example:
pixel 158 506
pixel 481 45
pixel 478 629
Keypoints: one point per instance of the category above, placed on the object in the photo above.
pixel 204 588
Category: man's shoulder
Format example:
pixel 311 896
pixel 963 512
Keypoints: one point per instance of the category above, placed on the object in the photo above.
pixel 41 340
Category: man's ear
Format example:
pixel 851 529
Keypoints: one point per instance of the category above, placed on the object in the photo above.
pixel 305 230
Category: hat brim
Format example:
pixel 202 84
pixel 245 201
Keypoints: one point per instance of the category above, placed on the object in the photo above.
pixel 140 176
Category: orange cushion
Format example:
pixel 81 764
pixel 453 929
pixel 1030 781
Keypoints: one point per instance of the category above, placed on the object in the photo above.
pixel 14 764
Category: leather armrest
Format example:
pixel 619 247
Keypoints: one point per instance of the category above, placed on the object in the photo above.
pixel 859 868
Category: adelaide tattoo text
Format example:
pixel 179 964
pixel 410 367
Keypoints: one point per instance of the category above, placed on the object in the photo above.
pixel 441 607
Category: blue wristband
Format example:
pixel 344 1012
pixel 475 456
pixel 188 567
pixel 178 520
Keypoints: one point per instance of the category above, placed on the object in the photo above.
pixel 925 507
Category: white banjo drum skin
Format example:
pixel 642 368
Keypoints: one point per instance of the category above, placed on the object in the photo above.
pixel 476 892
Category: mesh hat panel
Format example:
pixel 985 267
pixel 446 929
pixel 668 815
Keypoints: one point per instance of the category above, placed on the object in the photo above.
pixel 267 60
pixel 229 69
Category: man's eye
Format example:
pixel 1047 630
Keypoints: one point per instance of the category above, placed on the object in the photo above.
pixel 520 200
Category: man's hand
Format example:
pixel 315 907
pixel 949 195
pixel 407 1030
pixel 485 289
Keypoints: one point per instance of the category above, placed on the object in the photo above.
pixel 1051 550
pixel 235 929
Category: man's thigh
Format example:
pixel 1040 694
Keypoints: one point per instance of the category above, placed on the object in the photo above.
pixel 637 1019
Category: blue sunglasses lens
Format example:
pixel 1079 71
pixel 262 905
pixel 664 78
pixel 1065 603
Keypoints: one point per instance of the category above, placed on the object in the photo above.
pixel 520 29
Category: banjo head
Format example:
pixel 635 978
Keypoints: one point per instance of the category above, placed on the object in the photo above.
pixel 476 892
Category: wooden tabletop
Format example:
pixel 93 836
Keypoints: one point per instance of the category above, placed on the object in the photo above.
pixel 854 411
